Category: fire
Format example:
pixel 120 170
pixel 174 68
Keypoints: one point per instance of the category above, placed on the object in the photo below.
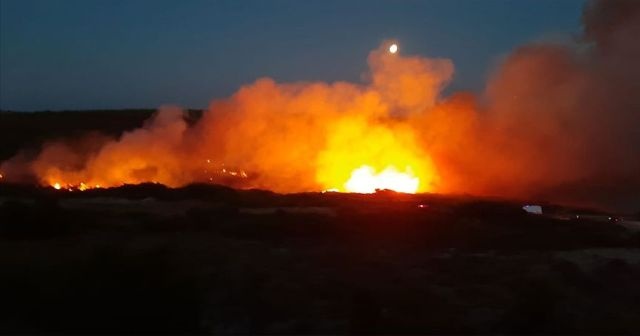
pixel 291 137
pixel 364 156
pixel 526 134
pixel 365 180
pixel 73 187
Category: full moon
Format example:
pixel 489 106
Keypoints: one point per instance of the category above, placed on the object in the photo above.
pixel 393 48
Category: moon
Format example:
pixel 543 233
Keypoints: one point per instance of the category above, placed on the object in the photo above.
pixel 393 48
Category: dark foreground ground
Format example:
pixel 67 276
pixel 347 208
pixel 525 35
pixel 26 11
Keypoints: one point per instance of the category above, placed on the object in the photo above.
pixel 208 259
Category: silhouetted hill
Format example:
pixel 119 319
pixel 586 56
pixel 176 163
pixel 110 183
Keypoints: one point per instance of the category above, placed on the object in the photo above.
pixel 20 130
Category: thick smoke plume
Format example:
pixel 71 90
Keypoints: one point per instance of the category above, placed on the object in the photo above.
pixel 559 123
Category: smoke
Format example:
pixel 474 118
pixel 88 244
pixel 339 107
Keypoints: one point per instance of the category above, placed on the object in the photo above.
pixel 569 117
pixel 556 122
pixel 310 136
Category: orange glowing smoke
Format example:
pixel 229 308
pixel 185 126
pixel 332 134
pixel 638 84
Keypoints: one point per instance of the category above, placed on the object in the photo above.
pixel 553 121
pixel 391 133
pixel 314 136
pixel 282 137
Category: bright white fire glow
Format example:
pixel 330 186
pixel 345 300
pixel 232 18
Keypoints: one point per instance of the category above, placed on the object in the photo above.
pixel 393 48
pixel 365 180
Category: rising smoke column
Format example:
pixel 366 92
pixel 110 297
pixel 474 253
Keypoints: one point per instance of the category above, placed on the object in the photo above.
pixel 556 122
pixel 311 136
pixel 569 116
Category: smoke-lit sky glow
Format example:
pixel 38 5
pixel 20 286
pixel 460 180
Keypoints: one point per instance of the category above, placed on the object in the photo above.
pixel 79 54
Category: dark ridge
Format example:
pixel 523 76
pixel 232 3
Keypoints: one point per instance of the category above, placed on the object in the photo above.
pixel 207 259
pixel 28 130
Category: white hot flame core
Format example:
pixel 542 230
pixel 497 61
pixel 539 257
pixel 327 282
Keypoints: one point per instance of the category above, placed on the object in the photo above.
pixel 365 180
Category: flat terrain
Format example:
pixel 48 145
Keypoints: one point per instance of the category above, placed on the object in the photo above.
pixel 208 259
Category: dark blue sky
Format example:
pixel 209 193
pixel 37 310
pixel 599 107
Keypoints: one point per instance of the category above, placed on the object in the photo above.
pixel 92 54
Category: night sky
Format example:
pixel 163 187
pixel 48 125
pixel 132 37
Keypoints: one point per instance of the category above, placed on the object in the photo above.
pixel 142 54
